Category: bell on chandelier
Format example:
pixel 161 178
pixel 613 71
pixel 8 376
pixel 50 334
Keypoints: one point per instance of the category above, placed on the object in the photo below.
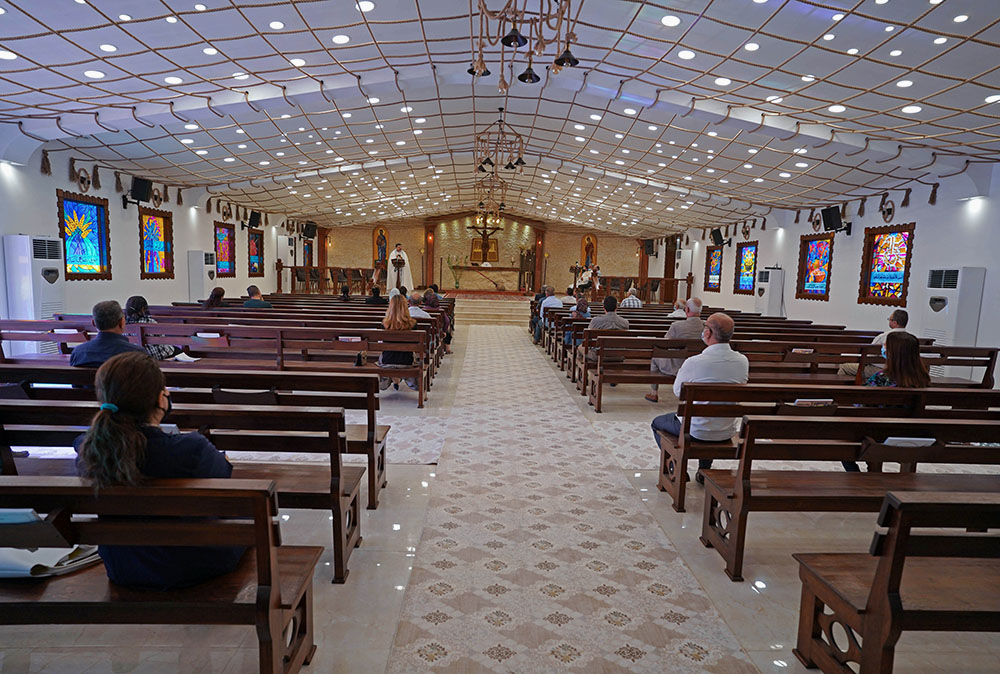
pixel 514 38
pixel 487 162
pixel 510 166
pixel 481 169
pixel 519 162
pixel 502 206
pixel 472 71
pixel 567 59
pixel 529 76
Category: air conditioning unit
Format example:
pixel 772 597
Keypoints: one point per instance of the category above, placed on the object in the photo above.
pixel 201 274
pixel 951 311
pixel 769 298
pixel 36 284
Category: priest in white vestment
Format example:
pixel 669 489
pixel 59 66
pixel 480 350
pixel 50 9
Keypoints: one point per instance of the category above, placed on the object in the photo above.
pixel 405 277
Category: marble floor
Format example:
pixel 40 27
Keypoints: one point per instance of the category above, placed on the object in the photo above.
pixel 456 569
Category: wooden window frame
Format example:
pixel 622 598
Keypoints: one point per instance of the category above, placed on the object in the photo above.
pixel 736 274
pixel 800 282
pixel 168 240
pixel 232 251
pixel 61 197
pixel 866 264
pixel 250 273
pixel 708 263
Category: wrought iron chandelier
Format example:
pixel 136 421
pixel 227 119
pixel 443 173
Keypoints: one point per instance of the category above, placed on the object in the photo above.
pixel 551 24
pixel 491 195
pixel 498 146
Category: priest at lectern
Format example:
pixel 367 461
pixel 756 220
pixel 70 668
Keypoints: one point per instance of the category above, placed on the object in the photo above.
pixel 399 275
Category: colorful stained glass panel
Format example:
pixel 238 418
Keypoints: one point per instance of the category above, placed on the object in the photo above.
pixel 225 251
pixel 85 237
pixel 817 272
pixel 255 249
pixel 307 253
pixel 888 265
pixel 155 247
pixel 714 269
pixel 748 267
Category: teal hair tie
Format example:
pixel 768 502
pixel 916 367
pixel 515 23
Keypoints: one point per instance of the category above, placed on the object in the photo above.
pixel 109 406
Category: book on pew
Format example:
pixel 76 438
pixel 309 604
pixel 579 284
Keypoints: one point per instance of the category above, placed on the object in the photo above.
pixel 813 402
pixel 184 358
pixel 347 338
pixel 41 562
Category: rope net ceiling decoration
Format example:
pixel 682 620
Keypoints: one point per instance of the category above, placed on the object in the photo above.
pixel 678 115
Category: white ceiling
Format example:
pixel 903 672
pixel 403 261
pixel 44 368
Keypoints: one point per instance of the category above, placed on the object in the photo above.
pixel 382 127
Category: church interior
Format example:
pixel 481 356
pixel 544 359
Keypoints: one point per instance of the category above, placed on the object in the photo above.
pixel 428 336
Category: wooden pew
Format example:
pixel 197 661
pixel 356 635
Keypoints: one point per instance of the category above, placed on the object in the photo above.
pixel 921 581
pixel 272 429
pixel 739 400
pixel 730 496
pixel 302 389
pixel 271 589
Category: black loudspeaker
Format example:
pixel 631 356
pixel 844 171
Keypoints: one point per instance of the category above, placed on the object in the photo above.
pixel 254 219
pixel 650 247
pixel 717 237
pixel 141 190
pixel 309 230
pixel 831 219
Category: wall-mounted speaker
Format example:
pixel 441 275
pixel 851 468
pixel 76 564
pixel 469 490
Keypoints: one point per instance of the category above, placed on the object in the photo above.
pixel 254 219
pixel 141 190
pixel 831 219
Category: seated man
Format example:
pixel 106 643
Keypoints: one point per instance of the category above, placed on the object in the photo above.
pixel 897 323
pixel 571 298
pixel 609 320
pixel 632 300
pixel 690 328
pixel 679 310
pixel 717 363
pixel 256 300
pixel 550 302
pixel 416 299
pixel 109 319
pixel 376 297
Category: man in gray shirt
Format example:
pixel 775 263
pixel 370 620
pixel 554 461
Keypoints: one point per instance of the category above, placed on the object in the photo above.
pixel 610 320
pixel 690 328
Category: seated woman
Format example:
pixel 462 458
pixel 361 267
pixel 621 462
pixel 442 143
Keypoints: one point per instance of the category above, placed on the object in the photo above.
pixel 345 293
pixel 137 311
pixel 214 300
pixel 903 368
pixel 431 301
pixel 125 445
pixel 581 310
pixel 397 317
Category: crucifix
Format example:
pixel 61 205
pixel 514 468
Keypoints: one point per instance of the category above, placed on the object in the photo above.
pixel 484 230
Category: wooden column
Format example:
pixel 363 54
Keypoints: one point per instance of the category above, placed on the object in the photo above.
pixel 643 270
pixel 320 253
pixel 669 294
pixel 428 266
pixel 539 258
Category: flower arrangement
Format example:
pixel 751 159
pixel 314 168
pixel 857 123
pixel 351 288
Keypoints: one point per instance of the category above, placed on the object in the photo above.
pixel 455 264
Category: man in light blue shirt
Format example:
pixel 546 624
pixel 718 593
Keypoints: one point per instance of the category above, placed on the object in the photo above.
pixel 550 301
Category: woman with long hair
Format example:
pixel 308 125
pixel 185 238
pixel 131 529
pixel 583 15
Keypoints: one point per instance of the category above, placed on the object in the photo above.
pixel 214 300
pixel 397 317
pixel 137 311
pixel 432 301
pixel 125 445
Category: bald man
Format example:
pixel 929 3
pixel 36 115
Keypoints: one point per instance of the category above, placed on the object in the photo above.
pixel 719 364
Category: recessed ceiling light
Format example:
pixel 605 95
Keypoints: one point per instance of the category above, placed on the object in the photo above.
pixel 365 6
pixel 210 51
pixel 10 56
pixel 191 127
pixel 670 21
pixel 911 109
pixel 92 74
pixel 276 25
pixel 200 7
pixel 417 132
pixel 758 180
pixel 723 181
pixel 829 36
pixel 298 63
pixel 993 99
pixel 173 79
pixel 285 116
pixel 240 76
pixel 108 47
pixel 836 108
pixel 896 52
pixel 837 17
pixel 187 141
pixel 752 150
pixel 713 134
pixel 723 81
pixel 889 29
pixel 808 78
pixel 760 2
pixel 619 136
pixel 229 159
pixel 398 142
pixel 784 175
pixel 171 19
pixel 685 54
pixel 340 39
pixel 751 46
pixel 264 163
pixel 881 2
pixel 406 108
pixel 124 17
pixel 629 111
pixel 241 147
pixel 801 164
pixel 373 100
pixel 651 127
pixel 774 99
pixel 940 40
pixel 936 2
pixel 852 51
pixel 201 151
pixel 346 115
pixel 961 18
pixel 904 84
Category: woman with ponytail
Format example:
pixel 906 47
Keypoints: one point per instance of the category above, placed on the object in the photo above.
pixel 126 445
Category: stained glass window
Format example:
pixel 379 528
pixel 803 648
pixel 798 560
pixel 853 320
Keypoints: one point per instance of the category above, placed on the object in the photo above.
pixel 225 250
pixel 815 261
pixel 746 268
pixel 255 252
pixel 307 253
pixel 83 226
pixel 885 268
pixel 713 269
pixel 156 237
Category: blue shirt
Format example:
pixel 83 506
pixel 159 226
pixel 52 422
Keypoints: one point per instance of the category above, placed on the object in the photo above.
pixel 188 455
pixel 106 344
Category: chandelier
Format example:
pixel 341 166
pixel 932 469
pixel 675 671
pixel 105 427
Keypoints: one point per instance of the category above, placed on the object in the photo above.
pixel 549 25
pixel 499 145
pixel 491 195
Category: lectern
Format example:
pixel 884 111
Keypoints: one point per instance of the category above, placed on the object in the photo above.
pixel 398 263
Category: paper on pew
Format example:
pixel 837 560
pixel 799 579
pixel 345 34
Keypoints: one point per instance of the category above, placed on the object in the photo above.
pixel 813 402
pixel 184 358
pixel 208 335
pixel 44 562
pixel 909 442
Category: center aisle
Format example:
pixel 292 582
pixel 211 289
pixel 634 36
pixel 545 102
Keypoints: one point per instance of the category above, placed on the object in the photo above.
pixel 537 554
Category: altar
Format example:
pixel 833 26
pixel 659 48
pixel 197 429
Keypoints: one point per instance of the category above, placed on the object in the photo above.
pixel 487 278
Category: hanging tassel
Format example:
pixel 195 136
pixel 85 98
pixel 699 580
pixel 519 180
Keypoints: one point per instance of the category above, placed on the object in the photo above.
pixel 906 198
pixel 933 198
pixel 72 170
pixel 166 194
pixel 266 223
pixel 861 208
pixel 118 182
pixel 95 179
pixel 180 199
pixel 843 211
pixel 703 233
pixel 797 214
pixel 46 165
pixel 881 204
pixel 812 212
pixel 763 225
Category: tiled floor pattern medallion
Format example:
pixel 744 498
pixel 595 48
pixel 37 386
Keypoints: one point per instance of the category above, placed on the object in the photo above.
pixel 536 555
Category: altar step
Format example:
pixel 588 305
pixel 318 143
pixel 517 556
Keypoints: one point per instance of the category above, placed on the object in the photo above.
pixel 492 312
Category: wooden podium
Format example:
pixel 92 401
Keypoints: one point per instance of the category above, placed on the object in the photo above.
pixel 398 263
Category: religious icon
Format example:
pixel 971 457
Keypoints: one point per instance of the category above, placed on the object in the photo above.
pixel 589 255
pixel 381 247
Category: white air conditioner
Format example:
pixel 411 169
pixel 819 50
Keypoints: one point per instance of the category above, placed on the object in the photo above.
pixel 954 300
pixel 769 299
pixel 201 274
pixel 36 284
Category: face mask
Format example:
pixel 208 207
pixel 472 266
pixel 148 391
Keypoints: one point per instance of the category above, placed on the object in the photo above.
pixel 883 351
pixel 170 407
pixel 705 334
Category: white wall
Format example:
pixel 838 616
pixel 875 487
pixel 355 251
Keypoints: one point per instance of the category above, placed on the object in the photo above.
pixel 956 232
pixel 29 207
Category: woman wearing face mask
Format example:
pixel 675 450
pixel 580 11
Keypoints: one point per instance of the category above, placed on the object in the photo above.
pixel 124 446
pixel 903 367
